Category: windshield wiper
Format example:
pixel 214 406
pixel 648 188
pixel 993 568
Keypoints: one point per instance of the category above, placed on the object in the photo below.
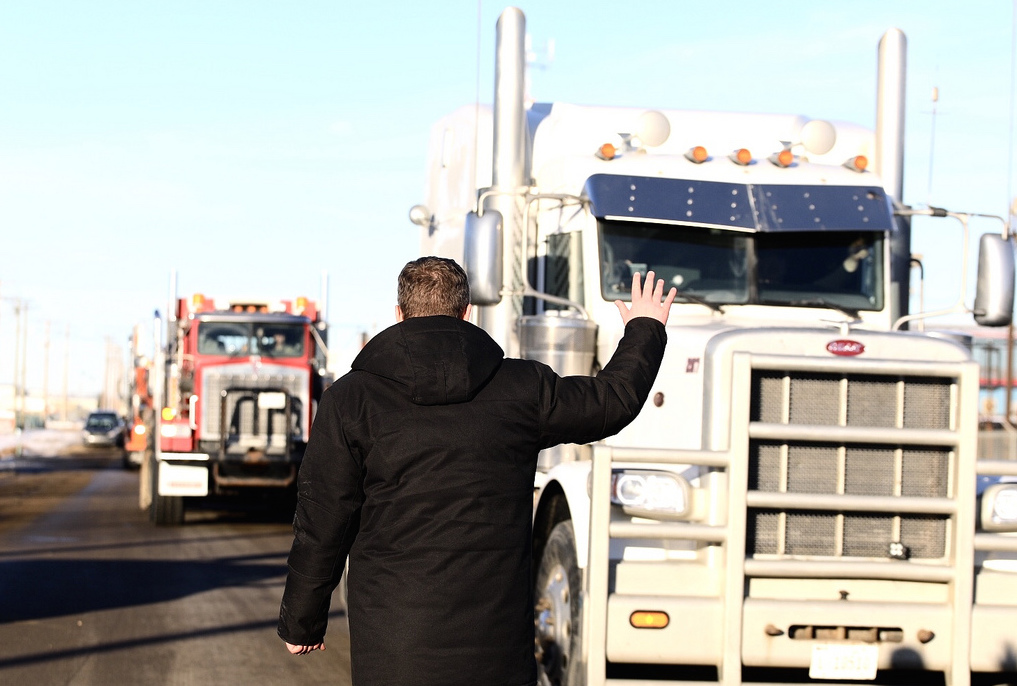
pixel 699 300
pixel 820 302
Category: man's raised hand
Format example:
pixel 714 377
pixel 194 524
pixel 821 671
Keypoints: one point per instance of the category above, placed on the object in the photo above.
pixel 646 300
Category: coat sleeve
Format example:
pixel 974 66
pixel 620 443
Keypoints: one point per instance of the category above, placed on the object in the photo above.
pixel 581 409
pixel 325 524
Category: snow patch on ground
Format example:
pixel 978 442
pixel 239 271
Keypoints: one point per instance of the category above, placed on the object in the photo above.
pixel 38 443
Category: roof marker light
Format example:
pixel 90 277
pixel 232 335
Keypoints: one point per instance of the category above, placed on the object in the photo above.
pixel 785 158
pixel 607 152
pixel 857 163
pixel 741 156
pixel 697 154
pixel 649 619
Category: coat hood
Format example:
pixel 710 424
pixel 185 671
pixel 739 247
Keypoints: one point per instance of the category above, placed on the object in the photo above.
pixel 440 360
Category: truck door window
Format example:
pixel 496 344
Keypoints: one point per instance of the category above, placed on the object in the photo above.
pixel 563 273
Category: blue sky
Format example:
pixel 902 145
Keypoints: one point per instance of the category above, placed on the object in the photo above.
pixel 250 146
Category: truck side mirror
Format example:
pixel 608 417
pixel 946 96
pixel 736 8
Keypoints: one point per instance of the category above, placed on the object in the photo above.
pixel 483 255
pixel 994 292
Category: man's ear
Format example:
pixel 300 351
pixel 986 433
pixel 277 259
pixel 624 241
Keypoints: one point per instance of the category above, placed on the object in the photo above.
pixel 467 311
pixel 399 314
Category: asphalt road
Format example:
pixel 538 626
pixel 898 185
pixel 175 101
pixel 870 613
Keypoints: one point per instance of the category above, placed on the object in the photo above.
pixel 92 593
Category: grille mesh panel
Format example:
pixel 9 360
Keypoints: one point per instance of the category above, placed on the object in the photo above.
pixel 810 533
pixel 241 401
pixel 868 471
pixel 926 405
pixel 811 469
pixel 828 467
pixel 867 400
pixel 815 400
pixel 867 535
pixel 925 473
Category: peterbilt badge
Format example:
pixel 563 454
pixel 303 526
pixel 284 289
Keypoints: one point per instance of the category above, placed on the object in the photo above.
pixel 845 348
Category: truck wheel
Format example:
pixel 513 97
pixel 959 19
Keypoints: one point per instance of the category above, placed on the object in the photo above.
pixel 558 614
pixel 145 484
pixel 167 510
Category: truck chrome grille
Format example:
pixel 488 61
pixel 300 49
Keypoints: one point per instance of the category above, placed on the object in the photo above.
pixel 821 399
pixel 830 467
pixel 241 407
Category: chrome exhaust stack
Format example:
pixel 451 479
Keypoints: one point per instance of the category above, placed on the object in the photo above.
pixel 508 172
pixel 889 162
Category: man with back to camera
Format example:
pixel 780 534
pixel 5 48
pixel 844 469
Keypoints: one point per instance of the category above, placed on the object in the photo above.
pixel 420 467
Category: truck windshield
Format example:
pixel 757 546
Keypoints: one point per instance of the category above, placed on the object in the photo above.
pixel 240 339
pixel 839 269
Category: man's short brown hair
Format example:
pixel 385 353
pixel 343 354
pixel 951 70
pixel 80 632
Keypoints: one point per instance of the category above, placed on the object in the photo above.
pixel 431 286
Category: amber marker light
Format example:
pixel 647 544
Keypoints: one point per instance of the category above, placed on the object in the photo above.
pixel 649 619
pixel 857 163
pixel 697 154
pixel 168 414
pixel 197 301
pixel 784 158
pixel 607 152
pixel 741 156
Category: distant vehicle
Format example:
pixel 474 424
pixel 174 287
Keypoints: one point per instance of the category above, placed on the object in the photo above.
pixel 239 382
pixel 104 429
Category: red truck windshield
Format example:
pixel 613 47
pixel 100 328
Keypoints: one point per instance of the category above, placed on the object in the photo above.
pixel 241 339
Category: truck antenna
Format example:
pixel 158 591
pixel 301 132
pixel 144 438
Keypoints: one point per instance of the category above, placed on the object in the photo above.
pixel 932 145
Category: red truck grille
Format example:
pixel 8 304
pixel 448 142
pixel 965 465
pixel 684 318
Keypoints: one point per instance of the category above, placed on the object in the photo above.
pixel 241 407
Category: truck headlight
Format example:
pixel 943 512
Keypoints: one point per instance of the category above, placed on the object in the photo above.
pixel 999 507
pixel 651 494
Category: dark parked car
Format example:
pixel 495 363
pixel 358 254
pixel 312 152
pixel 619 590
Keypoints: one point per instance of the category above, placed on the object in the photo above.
pixel 104 429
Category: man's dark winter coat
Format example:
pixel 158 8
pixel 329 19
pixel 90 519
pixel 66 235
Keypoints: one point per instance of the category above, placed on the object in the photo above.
pixel 420 467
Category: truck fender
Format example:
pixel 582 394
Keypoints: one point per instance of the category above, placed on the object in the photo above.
pixel 564 495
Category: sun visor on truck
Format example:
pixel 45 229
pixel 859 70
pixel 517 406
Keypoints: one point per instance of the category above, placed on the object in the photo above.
pixel 745 207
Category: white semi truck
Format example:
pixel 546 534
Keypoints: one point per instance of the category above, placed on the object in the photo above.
pixel 797 500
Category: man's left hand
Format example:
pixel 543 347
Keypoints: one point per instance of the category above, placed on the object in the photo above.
pixel 303 650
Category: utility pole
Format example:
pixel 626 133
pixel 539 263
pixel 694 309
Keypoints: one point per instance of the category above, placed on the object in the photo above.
pixel 12 400
pixel 24 359
pixel 67 358
pixel 104 399
pixel 17 361
pixel 45 377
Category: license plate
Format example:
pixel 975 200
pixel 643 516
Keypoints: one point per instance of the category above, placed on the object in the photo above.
pixel 272 401
pixel 856 662
pixel 188 480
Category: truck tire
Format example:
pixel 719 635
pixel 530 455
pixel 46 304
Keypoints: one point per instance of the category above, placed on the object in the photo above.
pixel 558 612
pixel 167 510
pixel 145 484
